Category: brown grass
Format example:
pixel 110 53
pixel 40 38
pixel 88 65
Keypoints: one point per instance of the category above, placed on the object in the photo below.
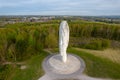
pixel 112 54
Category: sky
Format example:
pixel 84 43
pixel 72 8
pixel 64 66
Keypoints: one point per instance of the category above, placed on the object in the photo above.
pixel 60 7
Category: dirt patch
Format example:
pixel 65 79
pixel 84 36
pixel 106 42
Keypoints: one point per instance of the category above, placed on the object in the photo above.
pixel 23 67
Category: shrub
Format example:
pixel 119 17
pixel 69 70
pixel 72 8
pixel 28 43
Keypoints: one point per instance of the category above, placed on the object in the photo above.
pixel 20 46
pixel 105 43
pixel 5 71
pixel 95 44
pixel 51 41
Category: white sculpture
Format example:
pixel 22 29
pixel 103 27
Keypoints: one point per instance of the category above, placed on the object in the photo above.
pixel 63 66
pixel 63 39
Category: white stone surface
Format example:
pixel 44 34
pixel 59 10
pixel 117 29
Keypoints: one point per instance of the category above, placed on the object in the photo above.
pixel 72 64
pixel 63 39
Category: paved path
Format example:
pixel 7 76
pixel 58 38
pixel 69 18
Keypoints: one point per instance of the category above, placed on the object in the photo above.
pixel 80 77
pixel 46 77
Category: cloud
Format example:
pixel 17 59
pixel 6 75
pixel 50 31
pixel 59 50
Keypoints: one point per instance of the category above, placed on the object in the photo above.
pixel 76 7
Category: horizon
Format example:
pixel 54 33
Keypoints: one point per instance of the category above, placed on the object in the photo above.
pixel 65 15
pixel 60 7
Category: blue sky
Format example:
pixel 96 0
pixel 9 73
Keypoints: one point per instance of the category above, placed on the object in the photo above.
pixel 60 7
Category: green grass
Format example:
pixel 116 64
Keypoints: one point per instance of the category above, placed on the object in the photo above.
pixel 33 71
pixel 97 66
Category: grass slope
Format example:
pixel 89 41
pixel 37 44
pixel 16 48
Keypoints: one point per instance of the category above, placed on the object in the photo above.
pixel 33 71
pixel 111 54
pixel 97 66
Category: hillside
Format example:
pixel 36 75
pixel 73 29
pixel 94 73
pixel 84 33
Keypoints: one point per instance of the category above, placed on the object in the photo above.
pixel 20 42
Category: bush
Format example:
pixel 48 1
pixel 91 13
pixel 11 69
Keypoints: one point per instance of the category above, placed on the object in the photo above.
pixel 5 71
pixel 96 44
pixel 51 41
pixel 105 43
pixel 20 46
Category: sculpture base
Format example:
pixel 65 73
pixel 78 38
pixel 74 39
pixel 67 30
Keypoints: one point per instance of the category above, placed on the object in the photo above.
pixel 55 67
pixel 58 66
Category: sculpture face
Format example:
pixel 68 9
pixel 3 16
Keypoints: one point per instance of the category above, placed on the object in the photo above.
pixel 63 39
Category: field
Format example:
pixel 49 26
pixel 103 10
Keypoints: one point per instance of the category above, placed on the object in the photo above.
pixel 111 54
pixel 23 46
pixel 97 66
pixel 32 71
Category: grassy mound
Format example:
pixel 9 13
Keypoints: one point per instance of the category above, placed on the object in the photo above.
pixel 97 66
pixel 33 69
